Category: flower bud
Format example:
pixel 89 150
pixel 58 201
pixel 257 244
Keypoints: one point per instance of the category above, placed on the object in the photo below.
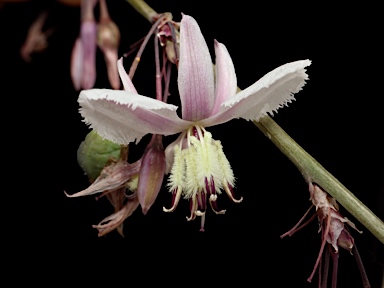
pixel 108 39
pixel 151 173
pixel 94 153
pixel 83 59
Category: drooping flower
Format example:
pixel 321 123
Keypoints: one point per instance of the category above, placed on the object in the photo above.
pixel 113 182
pixel 83 58
pixel 198 168
pixel 333 230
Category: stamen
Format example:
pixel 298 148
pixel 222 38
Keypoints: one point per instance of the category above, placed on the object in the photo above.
pixel 195 132
pixel 296 227
pixel 228 188
pixel 175 200
pixel 215 208
pixel 193 205
pixel 201 201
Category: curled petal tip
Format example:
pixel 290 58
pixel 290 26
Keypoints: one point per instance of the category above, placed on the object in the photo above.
pixel 170 209
pixel 175 200
pixel 66 194
pixel 238 201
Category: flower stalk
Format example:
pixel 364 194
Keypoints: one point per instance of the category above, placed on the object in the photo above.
pixel 144 9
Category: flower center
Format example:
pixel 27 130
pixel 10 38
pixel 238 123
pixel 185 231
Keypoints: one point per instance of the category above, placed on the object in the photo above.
pixel 200 170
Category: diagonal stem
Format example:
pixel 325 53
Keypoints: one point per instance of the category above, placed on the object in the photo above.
pixel 144 9
pixel 313 171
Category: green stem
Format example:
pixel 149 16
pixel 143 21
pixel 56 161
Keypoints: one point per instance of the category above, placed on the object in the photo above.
pixel 314 172
pixel 144 9
pixel 307 165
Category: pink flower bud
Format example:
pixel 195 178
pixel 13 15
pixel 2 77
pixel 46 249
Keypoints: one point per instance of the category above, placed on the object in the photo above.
pixel 151 173
pixel 83 59
pixel 108 39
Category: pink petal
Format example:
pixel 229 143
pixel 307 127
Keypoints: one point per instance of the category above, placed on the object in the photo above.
pixel 170 152
pixel 111 178
pixel 127 83
pixel 123 117
pixel 226 82
pixel 195 79
pixel 77 64
pixel 271 92
pixel 114 221
pixel 88 33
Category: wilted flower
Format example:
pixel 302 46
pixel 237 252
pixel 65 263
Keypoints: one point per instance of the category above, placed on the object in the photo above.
pixel 332 226
pixel 36 40
pixel 113 181
pixel 142 178
pixel 169 37
pixel 198 166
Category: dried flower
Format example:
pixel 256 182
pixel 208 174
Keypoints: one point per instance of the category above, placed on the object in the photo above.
pixel 332 228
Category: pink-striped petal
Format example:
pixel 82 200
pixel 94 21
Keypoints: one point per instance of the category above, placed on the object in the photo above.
pixel 195 79
pixel 271 92
pixel 123 117
pixel 226 82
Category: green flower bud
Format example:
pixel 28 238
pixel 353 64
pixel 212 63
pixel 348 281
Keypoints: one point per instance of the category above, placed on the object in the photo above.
pixel 94 153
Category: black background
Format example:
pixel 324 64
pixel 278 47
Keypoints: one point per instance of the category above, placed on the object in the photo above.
pixel 337 118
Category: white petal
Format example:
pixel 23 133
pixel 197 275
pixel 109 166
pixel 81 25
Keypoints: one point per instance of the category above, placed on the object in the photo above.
pixel 271 92
pixel 123 117
pixel 195 76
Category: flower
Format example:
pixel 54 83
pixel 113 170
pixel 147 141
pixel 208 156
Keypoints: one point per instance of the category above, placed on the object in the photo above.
pixel 331 225
pixel 196 162
pixel 113 182
pixel 36 40
pixel 83 58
